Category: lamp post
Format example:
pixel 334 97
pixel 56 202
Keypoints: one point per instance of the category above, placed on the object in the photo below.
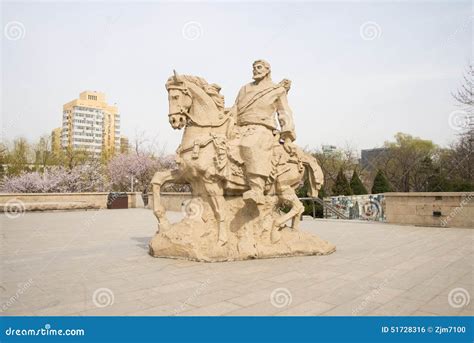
pixel 132 182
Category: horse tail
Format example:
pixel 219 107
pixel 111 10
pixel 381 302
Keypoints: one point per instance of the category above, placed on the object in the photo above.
pixel 314 172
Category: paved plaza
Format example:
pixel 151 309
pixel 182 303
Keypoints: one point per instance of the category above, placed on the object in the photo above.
pixel 93 263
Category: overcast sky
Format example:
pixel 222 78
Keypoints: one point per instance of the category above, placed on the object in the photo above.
pixel 360 71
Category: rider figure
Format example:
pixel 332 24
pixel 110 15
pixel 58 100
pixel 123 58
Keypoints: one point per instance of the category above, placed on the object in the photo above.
pixel 254 110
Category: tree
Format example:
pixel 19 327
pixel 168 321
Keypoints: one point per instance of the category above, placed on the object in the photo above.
pixel 381 184
pixel 43 153
pixel 18 157
pixel 465 94
pixel 71 157
pixel 453 169
pixel 405 160
pixel 464 97
pixel 84 178
pixel 333 161
pixel 356 184
pixel 341 186
pixel 123 167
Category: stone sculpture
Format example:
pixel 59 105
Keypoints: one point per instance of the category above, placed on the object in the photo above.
pixel 242 169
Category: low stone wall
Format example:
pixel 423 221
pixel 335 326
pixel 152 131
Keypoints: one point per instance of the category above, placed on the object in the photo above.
pixel 444 209
pixel 90 200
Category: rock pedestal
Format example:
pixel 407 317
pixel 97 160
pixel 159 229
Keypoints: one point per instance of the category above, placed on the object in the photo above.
pixel 249 235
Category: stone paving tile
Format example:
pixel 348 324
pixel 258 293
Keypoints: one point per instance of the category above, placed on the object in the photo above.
pixel 264 308
pixel 163 310
pixel 398 306
pixel 466 313
pixel 309 308
pixel 356 275
pixel 382 294
pixel 65 309
pixel 439 305
pixel 123 308
pixel 287 277
pixel 210 298
pixel 403 270
pixel 421 293
pixel 342 294
pixel 217 309
pixel 177 297
pixel 328 286
pixel 423 314
pixel 251 298
pixel 185 284
pixel 359 306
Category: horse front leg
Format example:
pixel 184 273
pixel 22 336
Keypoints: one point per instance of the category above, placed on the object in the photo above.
pixel 216 200
pixel 158 180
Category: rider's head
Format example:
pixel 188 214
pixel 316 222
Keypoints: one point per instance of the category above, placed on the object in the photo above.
pixel 261 70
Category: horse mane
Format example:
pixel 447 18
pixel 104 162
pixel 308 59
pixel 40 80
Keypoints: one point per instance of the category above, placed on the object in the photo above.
pixel 210 89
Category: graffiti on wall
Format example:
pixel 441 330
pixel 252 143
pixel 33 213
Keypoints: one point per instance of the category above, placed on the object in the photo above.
pixel 362 207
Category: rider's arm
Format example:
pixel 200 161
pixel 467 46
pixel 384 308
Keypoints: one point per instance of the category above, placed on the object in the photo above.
pixel 285 118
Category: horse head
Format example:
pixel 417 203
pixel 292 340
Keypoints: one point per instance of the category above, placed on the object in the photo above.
pixel 179 100
pixel 193 101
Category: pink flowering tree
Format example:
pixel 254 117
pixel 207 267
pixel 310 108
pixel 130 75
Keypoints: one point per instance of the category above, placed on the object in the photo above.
pixel 122 168
pixel 88 177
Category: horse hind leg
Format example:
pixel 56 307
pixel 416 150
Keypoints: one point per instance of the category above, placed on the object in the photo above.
pixel 296 220
pixel 287 196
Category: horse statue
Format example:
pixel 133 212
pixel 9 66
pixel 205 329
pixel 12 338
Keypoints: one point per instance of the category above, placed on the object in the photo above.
pixel 208 160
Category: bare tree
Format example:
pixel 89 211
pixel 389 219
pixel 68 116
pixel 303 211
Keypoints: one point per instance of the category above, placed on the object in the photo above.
pixel 43 152
pixel 464 95
pixel 331 163
pixel 462 149
pixel 148 145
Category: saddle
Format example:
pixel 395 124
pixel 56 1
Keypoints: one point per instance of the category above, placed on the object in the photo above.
pixel 233 169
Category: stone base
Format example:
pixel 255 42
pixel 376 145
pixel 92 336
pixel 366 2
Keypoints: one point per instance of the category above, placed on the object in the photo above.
pixel 249 236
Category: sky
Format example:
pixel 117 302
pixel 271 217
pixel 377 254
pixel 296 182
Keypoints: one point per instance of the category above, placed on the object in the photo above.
pixel 360 71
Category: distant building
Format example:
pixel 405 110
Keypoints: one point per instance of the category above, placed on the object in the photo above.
pixel 90 124
pixel 56 140
pixel 328 149
pixel 124 145
pixel 369 157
